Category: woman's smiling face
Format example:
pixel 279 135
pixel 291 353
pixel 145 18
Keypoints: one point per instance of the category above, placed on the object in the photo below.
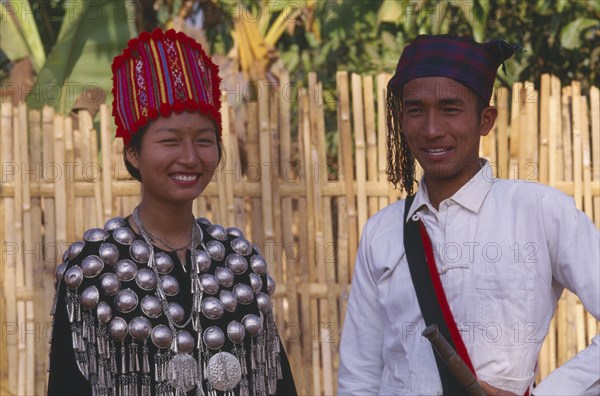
pixel 178 157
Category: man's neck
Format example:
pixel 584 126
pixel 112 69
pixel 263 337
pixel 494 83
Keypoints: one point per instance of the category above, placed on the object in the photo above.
pixel 440 189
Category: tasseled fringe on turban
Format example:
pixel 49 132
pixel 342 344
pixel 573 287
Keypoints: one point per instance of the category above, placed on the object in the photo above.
pixel 400 161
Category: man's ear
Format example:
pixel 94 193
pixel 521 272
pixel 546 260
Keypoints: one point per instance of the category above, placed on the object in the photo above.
pixel 132 156
pixel 487 120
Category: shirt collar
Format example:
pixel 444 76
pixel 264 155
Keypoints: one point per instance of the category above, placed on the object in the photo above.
pixel 470 196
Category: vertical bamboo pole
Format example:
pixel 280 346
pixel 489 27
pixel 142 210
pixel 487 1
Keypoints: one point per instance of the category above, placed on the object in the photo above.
pixel 60 187
pixel 53 251
pixel 18 131
pixel 11 248
pixel 323 235
pixel 558 127
pixel 577 144
pixel 69 169
pixel 553 138
pixel 81 148
pixel 291 249
pixel 515 132
pixel 39 306
pixel 586 158
pixel 255 169
pixel 566 135
pixel 348 163
pixel 502 128
pixel 359 146
pixel 311 225
pixel 371 137
pixel 228 178
pixel 524 145
pixel 265 158
pixel 107 175
pixel 306 320
pixel 595 128
pixel 532 166
pixel 544 128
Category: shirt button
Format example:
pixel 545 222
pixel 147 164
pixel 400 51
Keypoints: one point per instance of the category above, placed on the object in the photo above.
pixel 415 217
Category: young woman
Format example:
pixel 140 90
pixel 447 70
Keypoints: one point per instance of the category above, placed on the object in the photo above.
pixel 158 302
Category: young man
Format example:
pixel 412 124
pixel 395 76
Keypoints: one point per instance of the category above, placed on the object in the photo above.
pixel 503 250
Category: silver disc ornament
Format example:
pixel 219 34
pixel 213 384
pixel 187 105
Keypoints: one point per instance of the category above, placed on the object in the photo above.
pixel 228 299
pixel 243 293
pixel 169 285
pixel 60 271
pixel 124 235
pixel 185 341
pixel 162 336
pixel 95 235
pixel 126 270
pixel 255 282
pixel 146 279
pixel 203 260
pixel 224 276
pixel 183 372
pixel 241 246
pixel 91 266
pixel 177 313
pixel 217 232
pixel 73 277
pixel 75 249
pixel 270 285
pixel 126 301
pixel 140 328
pixel 89 297
pixel 110 284
pixel 236 232
pixel 224 371
pixel 264 303
pixel 258 264
pixel 236 332
pixel 104 312
pixel 203 220
pixel 216 250
pixel 109 253
pixel 151 306
pixel 213 337
pixel 114 223
pixel 118 329
pixel 236 263
pixel 212 308
pixel 253 324
pixel 163 263
pixel 140 251
pixel 209 283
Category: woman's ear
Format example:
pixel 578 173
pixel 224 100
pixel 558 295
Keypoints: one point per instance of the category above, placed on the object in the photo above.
pixel 487 120
pixel 132 157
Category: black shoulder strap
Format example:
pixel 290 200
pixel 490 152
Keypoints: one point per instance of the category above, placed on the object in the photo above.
pixel 430 307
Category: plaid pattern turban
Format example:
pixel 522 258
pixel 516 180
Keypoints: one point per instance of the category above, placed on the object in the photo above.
pixel 160 73
pixel 472 64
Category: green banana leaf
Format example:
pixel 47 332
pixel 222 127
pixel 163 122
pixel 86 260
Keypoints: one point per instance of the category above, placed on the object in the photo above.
pixel 92 33
pixel 19 36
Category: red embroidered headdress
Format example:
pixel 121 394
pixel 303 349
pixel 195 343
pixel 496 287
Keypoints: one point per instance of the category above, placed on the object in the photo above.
pixel 160 73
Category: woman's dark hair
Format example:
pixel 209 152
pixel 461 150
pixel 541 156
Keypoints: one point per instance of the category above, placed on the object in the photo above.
pixel 136 144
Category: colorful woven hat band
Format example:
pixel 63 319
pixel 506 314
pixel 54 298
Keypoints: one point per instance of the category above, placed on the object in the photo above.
pixel 472 64
pixel 160 73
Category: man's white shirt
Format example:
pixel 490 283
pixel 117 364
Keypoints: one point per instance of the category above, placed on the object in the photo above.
pixel 505 250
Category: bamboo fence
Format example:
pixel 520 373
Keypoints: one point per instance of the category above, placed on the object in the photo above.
pixel 58 180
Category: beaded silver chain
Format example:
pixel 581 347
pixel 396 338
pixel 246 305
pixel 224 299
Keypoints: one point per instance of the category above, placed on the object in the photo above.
pixel 196 285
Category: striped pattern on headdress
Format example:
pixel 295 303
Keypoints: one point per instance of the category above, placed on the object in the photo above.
pixel 160 73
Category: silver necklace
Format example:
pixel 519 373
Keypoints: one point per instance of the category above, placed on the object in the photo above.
pixel 180 252
pixel 184 370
